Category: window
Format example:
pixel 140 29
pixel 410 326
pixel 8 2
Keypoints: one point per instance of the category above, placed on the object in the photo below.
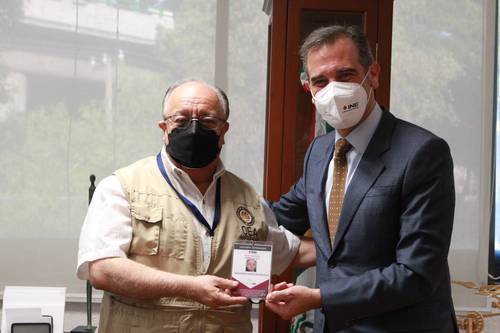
pixel 441 79
pixel 81 85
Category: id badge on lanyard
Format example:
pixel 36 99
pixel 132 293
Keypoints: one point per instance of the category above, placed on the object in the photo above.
pixel 252 269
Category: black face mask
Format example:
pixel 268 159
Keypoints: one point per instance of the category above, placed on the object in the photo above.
pixel 193 146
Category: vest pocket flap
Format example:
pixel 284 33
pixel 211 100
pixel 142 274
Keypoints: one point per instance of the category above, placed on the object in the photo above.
pixel 145 213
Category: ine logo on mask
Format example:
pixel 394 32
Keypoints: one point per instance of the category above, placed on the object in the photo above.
pixel 342 104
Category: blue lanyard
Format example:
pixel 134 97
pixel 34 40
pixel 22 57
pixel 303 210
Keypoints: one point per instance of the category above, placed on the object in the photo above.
pixel 190 205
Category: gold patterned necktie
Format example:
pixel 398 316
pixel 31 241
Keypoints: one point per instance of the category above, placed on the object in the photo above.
pixel 342 146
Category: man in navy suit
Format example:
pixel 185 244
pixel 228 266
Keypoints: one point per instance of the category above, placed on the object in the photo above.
pixel 382 228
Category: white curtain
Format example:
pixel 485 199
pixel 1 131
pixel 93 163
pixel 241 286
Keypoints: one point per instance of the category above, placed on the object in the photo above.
pixel 442 79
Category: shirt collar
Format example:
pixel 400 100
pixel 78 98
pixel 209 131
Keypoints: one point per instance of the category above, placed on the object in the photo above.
pixel 360 137
pixel 172 169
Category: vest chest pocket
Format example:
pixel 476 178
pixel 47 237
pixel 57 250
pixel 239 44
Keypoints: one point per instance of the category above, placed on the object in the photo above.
pixel 146 224
pixel 176 236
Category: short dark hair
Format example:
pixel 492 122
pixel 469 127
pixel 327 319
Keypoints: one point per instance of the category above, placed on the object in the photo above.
pixel 221 95
pixel 329 35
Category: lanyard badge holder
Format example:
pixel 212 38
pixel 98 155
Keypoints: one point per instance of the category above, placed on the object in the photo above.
pixel 252 269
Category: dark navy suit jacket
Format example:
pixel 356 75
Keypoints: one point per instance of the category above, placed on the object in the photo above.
pixel 388 269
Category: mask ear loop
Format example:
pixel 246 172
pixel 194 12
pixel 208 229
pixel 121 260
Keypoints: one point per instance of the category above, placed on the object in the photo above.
pixel 366 75
pixel 371 88
pixel 369 94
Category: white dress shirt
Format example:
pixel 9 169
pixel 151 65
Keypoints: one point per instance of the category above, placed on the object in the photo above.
pixel 107 229
pixel 359 138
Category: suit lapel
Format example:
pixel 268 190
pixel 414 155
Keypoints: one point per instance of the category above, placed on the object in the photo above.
pixel 367 172
pixel 321 168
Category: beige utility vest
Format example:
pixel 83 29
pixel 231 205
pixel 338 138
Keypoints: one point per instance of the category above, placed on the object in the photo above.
pixel 166 238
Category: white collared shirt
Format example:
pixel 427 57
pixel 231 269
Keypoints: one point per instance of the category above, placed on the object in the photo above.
pixel 359 138
pixel 107 229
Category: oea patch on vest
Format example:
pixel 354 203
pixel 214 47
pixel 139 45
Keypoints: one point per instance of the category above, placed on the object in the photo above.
pixel 245 216
pixel 248 232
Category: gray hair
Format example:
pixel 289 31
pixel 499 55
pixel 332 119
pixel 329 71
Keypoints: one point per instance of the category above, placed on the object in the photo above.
pixel 329 35
pixel 221 95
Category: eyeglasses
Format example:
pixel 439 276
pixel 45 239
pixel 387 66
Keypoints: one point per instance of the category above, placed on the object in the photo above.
pixel 181 120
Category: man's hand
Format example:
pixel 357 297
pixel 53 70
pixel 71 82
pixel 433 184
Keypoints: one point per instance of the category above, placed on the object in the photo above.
pixel 288 300
pixel 213 291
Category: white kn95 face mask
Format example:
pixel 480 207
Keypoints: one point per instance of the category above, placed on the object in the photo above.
pixel 342 104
